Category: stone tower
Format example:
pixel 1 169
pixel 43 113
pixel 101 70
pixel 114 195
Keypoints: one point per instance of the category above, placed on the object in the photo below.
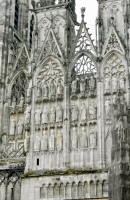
pixel 64 101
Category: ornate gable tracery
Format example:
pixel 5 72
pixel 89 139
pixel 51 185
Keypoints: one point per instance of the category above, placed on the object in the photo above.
pixel 113 42
pixel 50 47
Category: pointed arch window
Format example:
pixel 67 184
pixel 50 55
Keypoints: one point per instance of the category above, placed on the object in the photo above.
pixel 84 68
pixel 31 31
pixel 16 15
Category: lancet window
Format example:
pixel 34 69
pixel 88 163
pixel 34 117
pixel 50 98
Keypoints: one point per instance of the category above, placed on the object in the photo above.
pixel 83 69
pixel 16 15
pixel 31 31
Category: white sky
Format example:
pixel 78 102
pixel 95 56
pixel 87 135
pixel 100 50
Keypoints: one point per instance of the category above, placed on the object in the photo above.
pixel 90 14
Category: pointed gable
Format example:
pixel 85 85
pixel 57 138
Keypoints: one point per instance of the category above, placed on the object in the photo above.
pixel 113 42
pixel 50 46
pixel 22 57
pixel 83 40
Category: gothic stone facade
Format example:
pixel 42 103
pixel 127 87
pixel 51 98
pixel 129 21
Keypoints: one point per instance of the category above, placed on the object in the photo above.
pixel 64 101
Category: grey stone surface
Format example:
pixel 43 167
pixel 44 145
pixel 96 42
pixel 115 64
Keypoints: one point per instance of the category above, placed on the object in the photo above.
pixel 64 102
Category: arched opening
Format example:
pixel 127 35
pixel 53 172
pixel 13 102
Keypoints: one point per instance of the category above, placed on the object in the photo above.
pixel 83 68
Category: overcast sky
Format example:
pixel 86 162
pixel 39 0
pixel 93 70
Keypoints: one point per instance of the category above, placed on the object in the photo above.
pixel 90 14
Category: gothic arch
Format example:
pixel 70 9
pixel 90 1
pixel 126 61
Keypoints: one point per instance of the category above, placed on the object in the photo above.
pixel 80 55
pixel 45 62
pixel 19 73
pixel 83 61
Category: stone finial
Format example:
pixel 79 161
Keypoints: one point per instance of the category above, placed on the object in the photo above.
pixel 83 12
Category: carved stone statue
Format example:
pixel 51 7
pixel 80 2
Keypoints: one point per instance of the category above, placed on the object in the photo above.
pixel 82 86
pixel 122 83
pixel 52 141
pixel 83 138
pixel 21 102
pixel 39 92
pixel 92 110
pixel 12 127
pixel 59 89
pixel 120 129
pixel 92 83
pixel 59 140
pixel 45 115
pixel 108 107
pixel 93 138
pixel 37 143
pixel 29 91
pixel 74 113
pixel 26 142
pixel 27 115
pixel 13 106
pixel 107 83
pixel 83 113
pixel 38 116
pixel 74 138
pixel 52 114
pixel 44 141
pixel 45 90
pixel 74 87
pixel 114 83
pixel 59 114
pixel 20 126
pixel 52 89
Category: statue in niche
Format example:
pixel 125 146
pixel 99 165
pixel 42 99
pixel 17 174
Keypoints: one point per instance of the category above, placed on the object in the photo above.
pixel 82 86
pixel 27 115
pixel 107 83
pixel 29 92
pixel 120 130
pixel 52 141
pixel 52 89
pixel 91 83
pixel 44 141
pixel 20 126
pixel 39 93
pixel 74 87
pixel 59 114
pixel 83 113
pixel 21 103
pixel 74 138
pixel 83 138
pixel 45 91
pixel 114 83
pixel 74 113
pixel 122 83
pixel 59 89
pixel 13 106
pixel 26 142
pixel 37 143
pixel 45 115
pixel 92 110
pixel 93 138
pixel 59 140
pixel 52 114
pixel 108 107
pixel 38 116
pixel 12 127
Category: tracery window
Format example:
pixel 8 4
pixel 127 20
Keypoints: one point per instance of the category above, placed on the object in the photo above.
pixel 31 31
pixel 84 68
pixel 19 88
pixel 16 15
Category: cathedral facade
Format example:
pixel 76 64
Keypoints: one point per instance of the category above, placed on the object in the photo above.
pixel 64 101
